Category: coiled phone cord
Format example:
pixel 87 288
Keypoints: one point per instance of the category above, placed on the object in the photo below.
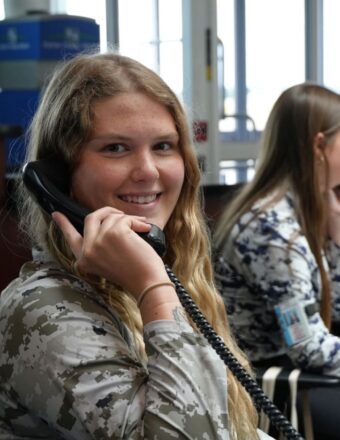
pixel 262 402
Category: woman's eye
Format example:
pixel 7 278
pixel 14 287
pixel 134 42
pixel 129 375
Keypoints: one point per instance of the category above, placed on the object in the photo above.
pixel 115 148
pixel 163 146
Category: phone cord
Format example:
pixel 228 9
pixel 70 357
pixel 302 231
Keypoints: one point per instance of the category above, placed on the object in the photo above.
pixel 261 401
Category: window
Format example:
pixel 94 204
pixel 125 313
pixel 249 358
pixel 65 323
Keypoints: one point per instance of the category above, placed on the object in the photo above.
pixel 270 56
pixel 331 35
pixel 236 171
pixel 153 35
pixel 226 33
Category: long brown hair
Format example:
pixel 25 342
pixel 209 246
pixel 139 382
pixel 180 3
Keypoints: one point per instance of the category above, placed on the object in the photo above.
pixel 60 126
pixel 287 160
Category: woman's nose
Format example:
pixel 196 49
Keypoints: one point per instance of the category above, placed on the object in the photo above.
pixel 145 167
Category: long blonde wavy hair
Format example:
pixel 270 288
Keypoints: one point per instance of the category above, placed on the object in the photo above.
pixel 287 161
pixel 60 126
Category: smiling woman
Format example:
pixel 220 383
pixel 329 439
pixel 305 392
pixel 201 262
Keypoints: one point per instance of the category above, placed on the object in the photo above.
pixel 105 346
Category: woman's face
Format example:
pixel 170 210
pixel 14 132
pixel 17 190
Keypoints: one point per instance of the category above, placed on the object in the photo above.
pixel 132 160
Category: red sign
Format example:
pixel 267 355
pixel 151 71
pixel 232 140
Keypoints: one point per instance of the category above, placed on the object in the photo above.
pixel 200 131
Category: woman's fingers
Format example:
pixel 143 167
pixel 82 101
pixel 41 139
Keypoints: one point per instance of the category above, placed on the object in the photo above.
pixel 111 247
pixel 93 223
pixel 108 222
pixel 106 217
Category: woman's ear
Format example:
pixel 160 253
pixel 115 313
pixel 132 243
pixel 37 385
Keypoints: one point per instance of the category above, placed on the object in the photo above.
pixel 320 159
pixel 319 147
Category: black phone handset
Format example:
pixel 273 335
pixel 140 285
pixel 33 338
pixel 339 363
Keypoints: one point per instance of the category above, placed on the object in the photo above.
pixel 47 180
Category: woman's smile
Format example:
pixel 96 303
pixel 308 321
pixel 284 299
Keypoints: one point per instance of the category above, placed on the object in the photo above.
pixel 140 199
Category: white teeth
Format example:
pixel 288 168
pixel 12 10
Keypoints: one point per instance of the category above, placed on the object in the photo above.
pixel 139 199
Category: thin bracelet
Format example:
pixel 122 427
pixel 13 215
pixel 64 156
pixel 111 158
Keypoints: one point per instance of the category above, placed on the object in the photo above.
pixel 153 286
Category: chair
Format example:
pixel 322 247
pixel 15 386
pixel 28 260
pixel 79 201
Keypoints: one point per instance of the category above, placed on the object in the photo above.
pixel 215 199
pixel 283 385
pixel 13 251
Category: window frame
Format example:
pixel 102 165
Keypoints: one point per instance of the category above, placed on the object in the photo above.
pixel 313 65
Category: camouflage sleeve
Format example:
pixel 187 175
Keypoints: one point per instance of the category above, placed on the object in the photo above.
pixel 186 393
pixel 333 254
pixel 68 369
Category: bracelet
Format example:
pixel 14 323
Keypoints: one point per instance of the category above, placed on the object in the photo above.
pixel 153 286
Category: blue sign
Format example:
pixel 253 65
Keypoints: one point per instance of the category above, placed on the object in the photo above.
pixel 50 37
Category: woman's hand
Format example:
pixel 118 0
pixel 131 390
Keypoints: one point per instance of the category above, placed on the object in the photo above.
pixel 334 216
pixel 111 248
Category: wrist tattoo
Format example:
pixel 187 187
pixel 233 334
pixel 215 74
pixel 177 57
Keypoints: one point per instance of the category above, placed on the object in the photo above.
pixel 179 314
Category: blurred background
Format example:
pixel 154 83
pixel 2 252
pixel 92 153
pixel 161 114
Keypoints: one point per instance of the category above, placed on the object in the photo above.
pixel 228 60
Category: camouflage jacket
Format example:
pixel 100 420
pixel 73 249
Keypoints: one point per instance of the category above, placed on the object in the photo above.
pixel 267 263
pixel 69 368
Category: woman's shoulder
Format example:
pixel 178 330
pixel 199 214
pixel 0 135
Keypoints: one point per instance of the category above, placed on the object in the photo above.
pixel 45 288
pixel 268 216
pixel 270 222
pixel 275 206
pixel 48 301
pixel 37 276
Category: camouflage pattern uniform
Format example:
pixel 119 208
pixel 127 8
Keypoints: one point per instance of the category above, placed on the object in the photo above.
pixel 69 369
pixel 267 261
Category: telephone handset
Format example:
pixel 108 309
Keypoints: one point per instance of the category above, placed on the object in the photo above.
pixel 47 180
pixel 48 183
